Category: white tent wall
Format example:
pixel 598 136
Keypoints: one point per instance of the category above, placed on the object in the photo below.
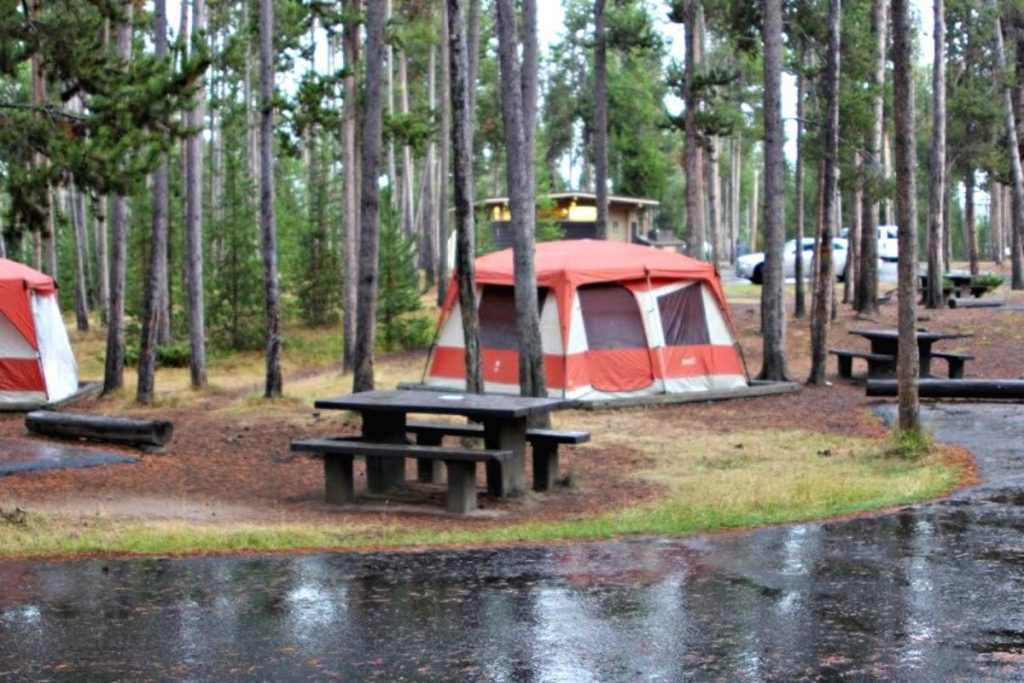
pixel 60 371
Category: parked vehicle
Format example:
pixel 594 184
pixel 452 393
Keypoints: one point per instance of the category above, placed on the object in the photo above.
pixel 888 242
pixel 751 266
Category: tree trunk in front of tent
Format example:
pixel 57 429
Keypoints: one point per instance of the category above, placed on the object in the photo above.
pixel 906 207
pixel 462 137
pixel 693 150
pixel 600 121
pixel 268 220
pixel 824 279
pixel 514 115
pixel 369 201
pixel 773 304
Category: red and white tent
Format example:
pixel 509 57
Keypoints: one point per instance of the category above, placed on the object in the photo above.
pixel 36 362
pixel 617 320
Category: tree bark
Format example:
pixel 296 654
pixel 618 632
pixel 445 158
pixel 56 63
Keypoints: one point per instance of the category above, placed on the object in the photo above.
pixel 1017 186
pixel 350 184
pixel 430 228
pixel 970 223
pixel 995 221
pixel 99 216
pixel 113 374
pixel 600 120
pixel 194 220
pixel 157 271
pixel 693 150
pixel 389 52
pixel 906 207
pixel 77 212
pixel 445 154
pixel 853 243
pixel 773 304
pixel 408 170
pixel 714 183
pixel 737 191
pixel 936 219
pixel 268 220
pixel 462 167
pixel 867 283
pixel 824 280
pixel 800 305
pixel 515 117
pixel 369 208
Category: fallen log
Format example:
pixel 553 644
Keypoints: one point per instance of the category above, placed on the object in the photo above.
pixel 953 388
pixel 150 435
pixel 958 302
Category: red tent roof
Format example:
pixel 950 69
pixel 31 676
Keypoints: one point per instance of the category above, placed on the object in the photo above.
pixel 585 261
pixel 33 279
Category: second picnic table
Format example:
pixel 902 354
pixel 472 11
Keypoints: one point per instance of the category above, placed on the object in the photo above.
pixel 504 418
pixel 887 342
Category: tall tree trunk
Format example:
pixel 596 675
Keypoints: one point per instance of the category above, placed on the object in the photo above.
pixel 268 222
pixel 600 121
pixel 429 232
pixel 995 221
pixel 389 51
pixel 736 162
pixel 408 170
pixel 446 142
pixel 77 212
pixel 753 210
pixel 800 305
pixel 970 223
pixel 906 208
pixel 823 284
pixel 714 183
pixel 853 243
pixel 194 219
pixel 369 210
pixel 350 184
pixel 462 167
pixel 99 217
pixel 867 283
pixel 157 271
pixel 1017 186
pixel 515 117
pixel 113 373
pixel 773 303
pixel 936 219
pixel 693 150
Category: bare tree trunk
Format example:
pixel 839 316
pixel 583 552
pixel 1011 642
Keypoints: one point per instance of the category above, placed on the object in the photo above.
pixel 936 219
pixel 514 115
pixel 867 283
pixel 823 285
pixel 737 161
pixel 906 207
pixel 472 51
pixel 50 236
pixel 800 305
pixel 408 170
pixel 369 211
pixel 350 184
pixel 693 151
pixel 753 210
pixel 886 208
pixel 995 221
pixel 113 373
pixel 1017 273
pixel 446 142
pixel 773 303
pixel 970 224
pixel 600 121
pixel 531 89
pixel 268 220
pixel 396 197
pixel 77 212
pixel 714 182
pixel 194 220
pixel 157 271
pixel 99 216
pixel 853 243
pixel 462 139
pixel 429 233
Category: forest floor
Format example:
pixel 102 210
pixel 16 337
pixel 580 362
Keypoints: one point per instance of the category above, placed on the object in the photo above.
pixel 228 471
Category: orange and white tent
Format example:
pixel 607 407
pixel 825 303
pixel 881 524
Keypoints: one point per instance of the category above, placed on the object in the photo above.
pixel 617 320
pixel 36 362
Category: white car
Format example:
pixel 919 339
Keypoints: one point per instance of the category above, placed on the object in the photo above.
pixel 751 266
pixel 888 242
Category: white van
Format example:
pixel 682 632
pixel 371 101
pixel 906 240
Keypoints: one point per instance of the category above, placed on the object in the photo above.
pixel 888 243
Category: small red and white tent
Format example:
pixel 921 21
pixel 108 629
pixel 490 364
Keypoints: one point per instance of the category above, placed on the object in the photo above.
pixel 36 362
pixel 617 320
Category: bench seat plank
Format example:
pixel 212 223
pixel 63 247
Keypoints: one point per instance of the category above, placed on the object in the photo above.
pixel 955 362
pixel 879 364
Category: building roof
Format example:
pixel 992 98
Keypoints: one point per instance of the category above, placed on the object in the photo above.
pixel 612 199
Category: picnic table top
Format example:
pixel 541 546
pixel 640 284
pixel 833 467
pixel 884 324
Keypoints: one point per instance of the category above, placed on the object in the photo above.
pixel 922 335
pixel 442 403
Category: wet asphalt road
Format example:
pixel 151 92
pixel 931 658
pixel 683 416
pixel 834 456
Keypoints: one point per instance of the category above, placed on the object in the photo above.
pixel 933 593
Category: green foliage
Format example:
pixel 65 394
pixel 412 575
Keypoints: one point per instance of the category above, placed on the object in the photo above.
pixel 397 285
pixel 910 444
pixel 171 356
pixel 990 280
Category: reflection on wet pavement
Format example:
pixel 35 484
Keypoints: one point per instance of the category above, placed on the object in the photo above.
pixel 932 593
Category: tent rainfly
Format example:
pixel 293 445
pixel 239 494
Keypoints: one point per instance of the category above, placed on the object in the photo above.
pixel 617 321
pixel 36 362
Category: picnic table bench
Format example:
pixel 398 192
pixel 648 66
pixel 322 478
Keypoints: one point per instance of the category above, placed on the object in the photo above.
pixel 338 455
pixel 879 364
pixel 544 445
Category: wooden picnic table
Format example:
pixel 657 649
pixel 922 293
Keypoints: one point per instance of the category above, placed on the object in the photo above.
pixel 504 418
pixel 887 342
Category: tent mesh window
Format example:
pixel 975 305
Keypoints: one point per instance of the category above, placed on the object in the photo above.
pixel 611 317
pixel 497 313
pixel 682 317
